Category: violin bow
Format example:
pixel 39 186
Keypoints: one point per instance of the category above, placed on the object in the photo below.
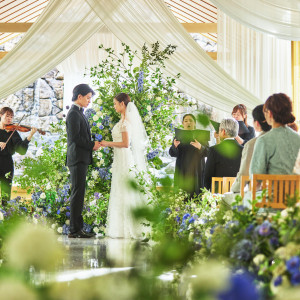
pixel 14 131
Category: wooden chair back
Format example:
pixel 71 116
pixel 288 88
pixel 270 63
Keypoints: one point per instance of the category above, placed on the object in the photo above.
pixel 244 180
pixel 217 185
pixel 227 183
pixel 278 188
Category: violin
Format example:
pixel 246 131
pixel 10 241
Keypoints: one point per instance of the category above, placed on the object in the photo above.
pixel 21 128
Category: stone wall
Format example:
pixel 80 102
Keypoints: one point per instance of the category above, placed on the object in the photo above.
pixel 41 102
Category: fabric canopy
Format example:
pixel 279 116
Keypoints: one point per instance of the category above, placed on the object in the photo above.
pixel 65 25
pixel 280 18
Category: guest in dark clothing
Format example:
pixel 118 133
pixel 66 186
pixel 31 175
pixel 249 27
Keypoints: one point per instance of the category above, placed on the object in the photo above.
pixel 7 149
pixel 246 132
pixel 190 160
pixel 224 159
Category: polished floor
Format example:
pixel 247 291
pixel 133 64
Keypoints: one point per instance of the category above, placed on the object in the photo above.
pixel 87 258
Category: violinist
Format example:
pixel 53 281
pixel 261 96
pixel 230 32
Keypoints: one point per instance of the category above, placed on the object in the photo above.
pixel 246 132
pixel 10 142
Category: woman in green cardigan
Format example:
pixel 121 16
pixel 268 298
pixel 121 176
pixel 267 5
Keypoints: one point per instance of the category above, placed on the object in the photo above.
pixel 276 151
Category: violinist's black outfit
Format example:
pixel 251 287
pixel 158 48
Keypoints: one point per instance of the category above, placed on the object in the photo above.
pixel 245 132
pixel 189 167
pixel 15 144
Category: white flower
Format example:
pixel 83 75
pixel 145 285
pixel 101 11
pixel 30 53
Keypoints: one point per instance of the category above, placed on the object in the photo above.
pixel 95 174
pixel 53 226
pixel 59 230
pixel 99 163
pixel 48 186
pixel 149 108
pixel 99 154
pixel 1 216
pixel 96 109
pixel 32 245
pixel 67 222
pixel 43 195
pixel 12 288
pixel 147 118
pixel 99 113
pixel 96 229
pixel 158 98
pixel 35 220
pixel 258 259
pixel 99 101
pixel 95 118
pixel 228 215
pixel 284 214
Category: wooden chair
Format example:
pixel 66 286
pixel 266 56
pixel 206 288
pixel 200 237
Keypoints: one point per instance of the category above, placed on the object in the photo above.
pixel 17 191
pixel 217 185
pixel 227 183
pixel 244 180
pixel 221 185
pixel 278 188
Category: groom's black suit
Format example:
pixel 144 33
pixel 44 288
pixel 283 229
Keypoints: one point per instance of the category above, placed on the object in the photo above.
pixel 79 156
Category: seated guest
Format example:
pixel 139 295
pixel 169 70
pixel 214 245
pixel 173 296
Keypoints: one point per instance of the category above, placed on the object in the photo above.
pixel 224 159
pixel 246 132
pixel 261 126
pixel 189 160
pixel 276 151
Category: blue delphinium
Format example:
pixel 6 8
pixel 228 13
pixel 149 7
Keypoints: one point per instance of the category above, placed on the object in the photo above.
pixel 141 81
pixel 185 216
pixel 293 264
pixel 101 127
pixel 191 220
pixel 177 219
pixel 241 287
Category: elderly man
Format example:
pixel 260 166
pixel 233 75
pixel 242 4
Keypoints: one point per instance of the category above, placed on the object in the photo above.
pixel 224 159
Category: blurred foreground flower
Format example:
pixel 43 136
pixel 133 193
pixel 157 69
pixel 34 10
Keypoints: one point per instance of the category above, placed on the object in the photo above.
pixel 32 245
pixel 12 289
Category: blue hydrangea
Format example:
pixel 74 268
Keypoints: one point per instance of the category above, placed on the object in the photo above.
pixel 242 250
pixel 241 287
pixel 66 229
pixel 278 281
pixel 295 279
pixel 89 113
pixel 152 154
pixel 104 174
pixel 106 120
pixel 293 264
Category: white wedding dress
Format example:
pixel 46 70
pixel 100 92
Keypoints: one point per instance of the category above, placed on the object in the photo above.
pixel 120 222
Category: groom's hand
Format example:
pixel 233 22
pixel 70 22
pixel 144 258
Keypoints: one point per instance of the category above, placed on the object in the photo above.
pixel 97 146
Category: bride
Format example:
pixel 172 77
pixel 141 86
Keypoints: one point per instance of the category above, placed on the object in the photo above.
pixel 129 142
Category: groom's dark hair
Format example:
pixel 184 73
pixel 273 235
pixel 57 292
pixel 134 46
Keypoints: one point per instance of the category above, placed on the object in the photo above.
pixel 81 89
pixel 123 97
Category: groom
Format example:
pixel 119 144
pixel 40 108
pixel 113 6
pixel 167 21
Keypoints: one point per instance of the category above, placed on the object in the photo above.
pixel 79 156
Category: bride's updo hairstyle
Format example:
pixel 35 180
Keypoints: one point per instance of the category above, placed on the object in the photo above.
pixel 281 107
pixel 123 97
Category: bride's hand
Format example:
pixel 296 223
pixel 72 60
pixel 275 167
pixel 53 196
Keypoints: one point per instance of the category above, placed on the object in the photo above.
pixel 104 144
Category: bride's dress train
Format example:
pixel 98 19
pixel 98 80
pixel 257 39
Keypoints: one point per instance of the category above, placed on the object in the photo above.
pixel 120 222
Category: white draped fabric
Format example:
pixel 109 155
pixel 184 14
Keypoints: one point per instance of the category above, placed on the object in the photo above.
pixel 259 62
pixel 75 67
pixel 280 18
pixel 65 25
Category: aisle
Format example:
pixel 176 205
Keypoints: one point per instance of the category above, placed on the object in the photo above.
pixel 87 258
